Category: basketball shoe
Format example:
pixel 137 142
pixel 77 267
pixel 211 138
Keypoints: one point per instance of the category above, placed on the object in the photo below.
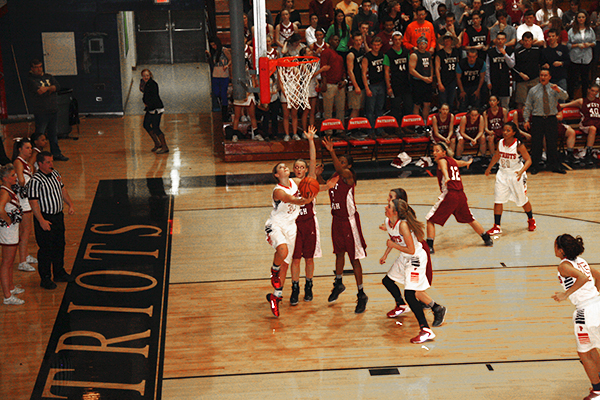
pixel 496 230
pixel 487 239
pixel 532 225
pixel 308 294
pixel 423 336
pixel 593 395
pixel 338 288
pixel 401 309
pixel 295 293
pixel 361 303
pixel 439 314
pixel 275 281
pixel 274 302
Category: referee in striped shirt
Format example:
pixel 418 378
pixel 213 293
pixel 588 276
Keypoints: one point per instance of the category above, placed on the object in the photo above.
pixel 46 194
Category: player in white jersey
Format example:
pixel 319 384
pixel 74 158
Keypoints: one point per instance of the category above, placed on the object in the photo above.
pixel 580 282
pixel 281 229
pixel 511 179
pixel 412 268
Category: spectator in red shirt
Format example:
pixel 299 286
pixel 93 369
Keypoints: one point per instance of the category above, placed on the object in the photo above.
pixel 386 35
pixel 324 9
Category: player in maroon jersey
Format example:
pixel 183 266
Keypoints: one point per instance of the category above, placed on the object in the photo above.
pixel 442 124
pixel 470 130
pixel 308 243
pixel 346 232
pixel 494 119
pixel 589 107
pixel 453 200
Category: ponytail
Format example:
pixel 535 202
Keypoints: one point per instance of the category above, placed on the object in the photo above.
pixel 403 210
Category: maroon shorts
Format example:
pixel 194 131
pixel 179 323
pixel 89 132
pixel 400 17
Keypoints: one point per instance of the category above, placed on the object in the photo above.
pixel 562 130
pixel 306 238
pixel 586 128
pixel 347 237
pixel 453 203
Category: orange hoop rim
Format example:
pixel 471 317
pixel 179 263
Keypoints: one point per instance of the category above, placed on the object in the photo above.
pixel 294 61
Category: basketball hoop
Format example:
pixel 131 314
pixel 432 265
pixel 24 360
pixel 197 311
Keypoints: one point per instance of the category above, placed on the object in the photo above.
pixel 295 74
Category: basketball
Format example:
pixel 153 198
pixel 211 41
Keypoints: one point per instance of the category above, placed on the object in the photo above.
pixel 308 187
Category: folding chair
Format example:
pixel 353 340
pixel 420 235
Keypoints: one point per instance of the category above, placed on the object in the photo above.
pixel 340 146
pixel 390 146
pixel 361 148
pixel 412 121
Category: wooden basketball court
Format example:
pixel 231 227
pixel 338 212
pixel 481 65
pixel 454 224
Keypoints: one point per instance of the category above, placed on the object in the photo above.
pixel 504 337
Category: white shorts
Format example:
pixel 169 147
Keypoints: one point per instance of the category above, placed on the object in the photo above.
pixel 411 271
pixel 278 235
pixel 509 188
pixel 586 335
pixel 246 102
pixel 9 236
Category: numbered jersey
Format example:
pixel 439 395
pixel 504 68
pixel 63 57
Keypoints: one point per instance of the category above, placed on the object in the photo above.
pixel 509 157
pixel 285 213
pixel 375 68
pixel 398 63
pixel 395 235
pixel 307 212
pixel 448 63
pixel 587 291
pixel 590 112
pixel 455 182
pixel 342 199
pixel 495 121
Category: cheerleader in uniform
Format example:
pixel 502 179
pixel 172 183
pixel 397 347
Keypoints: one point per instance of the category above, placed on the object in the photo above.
pixel 511 178
pixel 579 282
pixel 22 151
pixel 39 142
pixel 10 217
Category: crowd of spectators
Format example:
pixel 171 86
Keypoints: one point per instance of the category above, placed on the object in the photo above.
pixel 412 56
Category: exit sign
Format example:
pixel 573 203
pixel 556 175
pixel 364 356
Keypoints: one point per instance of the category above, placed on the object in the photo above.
pixel 162 1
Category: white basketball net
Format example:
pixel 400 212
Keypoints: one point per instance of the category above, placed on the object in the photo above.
pixel 296 83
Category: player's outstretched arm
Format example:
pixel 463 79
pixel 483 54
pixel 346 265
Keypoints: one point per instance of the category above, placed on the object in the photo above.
pixel 312 164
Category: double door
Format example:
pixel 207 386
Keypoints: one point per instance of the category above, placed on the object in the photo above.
pixel 170 37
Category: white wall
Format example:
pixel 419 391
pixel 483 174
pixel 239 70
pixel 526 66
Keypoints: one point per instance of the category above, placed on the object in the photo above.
pixel 128 52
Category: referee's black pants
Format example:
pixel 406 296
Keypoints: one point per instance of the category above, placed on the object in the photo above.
pixel 51 255
pixel 544 127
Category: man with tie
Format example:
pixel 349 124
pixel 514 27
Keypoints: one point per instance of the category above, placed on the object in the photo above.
pixel 540 105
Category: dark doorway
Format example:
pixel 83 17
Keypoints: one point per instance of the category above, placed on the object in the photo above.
pixel 170 37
